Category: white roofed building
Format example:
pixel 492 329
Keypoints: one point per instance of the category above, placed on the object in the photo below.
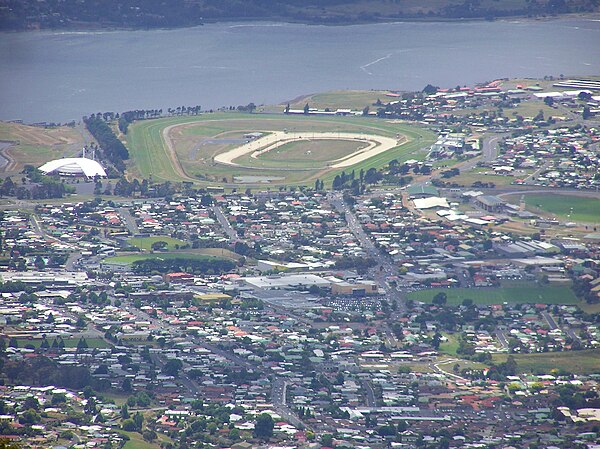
pixel 74 166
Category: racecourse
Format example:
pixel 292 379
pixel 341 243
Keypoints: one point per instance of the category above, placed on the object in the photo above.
pixel 275 139
pixel 203 149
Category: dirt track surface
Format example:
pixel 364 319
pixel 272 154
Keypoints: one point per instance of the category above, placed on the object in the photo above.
pixel 376 145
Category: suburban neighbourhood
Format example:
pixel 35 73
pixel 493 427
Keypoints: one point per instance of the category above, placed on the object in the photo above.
pixel 447 298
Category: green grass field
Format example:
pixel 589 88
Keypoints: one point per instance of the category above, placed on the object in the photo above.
pixel 145 243
pixel 340 99
pixel 197 140
pixel 479 174
pixel 567 207
pixel 449 347
pixel 576 362
pixel 511 295
pixel 136 441
pixel 131 258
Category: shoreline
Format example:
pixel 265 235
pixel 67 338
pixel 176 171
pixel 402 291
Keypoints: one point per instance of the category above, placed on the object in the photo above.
pixel 95 27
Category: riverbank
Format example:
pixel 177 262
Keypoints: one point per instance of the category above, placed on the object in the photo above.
pixel 348 13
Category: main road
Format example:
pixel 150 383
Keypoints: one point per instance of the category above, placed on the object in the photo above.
pixel 224 222
pixel 385 265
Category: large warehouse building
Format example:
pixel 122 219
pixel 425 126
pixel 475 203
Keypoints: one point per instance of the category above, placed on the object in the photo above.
pixel 74 166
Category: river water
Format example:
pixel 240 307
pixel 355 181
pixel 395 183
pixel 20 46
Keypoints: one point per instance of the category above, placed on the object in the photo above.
pixel 60 76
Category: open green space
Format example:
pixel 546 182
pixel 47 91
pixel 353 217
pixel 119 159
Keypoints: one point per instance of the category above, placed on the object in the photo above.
pixel 145 243
pixel 576 362
pixel 131 258
pixel 566 207
pixel 511 295
pixel 451 345
pixel 484 175
pixel 342 99
pixel 136 441
pixel 193 142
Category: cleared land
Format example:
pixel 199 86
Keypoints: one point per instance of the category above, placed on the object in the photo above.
pixel 511 295
pixel 188 148
pixel 576 362
pixel 567 207
pixel 36 145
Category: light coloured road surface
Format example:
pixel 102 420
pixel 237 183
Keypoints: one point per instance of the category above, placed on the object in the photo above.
pixel 489 151
pixel 129 220
pixel 550 320
pixel 502 338
pixel 224 222
pixel 376 145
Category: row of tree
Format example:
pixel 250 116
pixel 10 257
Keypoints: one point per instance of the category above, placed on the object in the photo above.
pixel 196 266
pixel 112 148
pixel 128 117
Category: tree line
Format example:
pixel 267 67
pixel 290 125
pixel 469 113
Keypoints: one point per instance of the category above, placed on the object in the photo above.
pixel 129 117
pixel 207 265
pixel 112 148
pixel 35 185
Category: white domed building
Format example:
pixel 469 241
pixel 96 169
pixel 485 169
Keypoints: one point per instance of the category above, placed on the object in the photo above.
pixel 74 166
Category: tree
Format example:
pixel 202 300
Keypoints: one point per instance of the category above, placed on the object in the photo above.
pixel 263 427
pixel 39 263
pixel 30 416
pixel 429 89
pixel 549 101
pixel 440 299
pixel 306 109
pixel 128 425
pixel 126 386
pixel 467 302
pixel 149 435
pixel 159 245
pixel 59 398
pixel 82 344
pixel 138 420
pixel 30 402
pixel 327 440
pixel 172 367
pixel 124 411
